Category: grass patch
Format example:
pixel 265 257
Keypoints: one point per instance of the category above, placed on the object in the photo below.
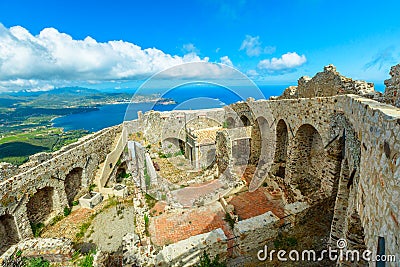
pixel 164 156
pixel 150 201
pixel 87 260
pixel 146 225
pixel 83 229
pixel 36 262
pixel 56 219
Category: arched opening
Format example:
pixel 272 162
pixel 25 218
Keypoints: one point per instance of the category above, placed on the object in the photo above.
pixel 73 184
pixel 8 232
pixel 229 123
pixel 261 154
pixel 245 120
pixel 40 205
pixel 307 160
pixel 281 148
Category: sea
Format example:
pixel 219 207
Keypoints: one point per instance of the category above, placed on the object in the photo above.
pixel 186 98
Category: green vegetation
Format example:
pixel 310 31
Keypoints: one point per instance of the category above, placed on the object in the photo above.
pixel 26 118
pixel 150 201
pixel 146 177
pixel 92 187
pixel 225 124
pixel 36 262
pixel 161 155
pixel 87 260
pixel 82 230
pixel 67 211
pixel 179 153
pixel 229 220
pixel 206 261
pixel 37 228
pixel 284 242
pixel 16 148
pixel 146 225
pixel 123 175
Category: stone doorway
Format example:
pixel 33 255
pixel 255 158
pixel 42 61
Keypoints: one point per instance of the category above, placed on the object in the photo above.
pixel 40 205
pixel 8 232
pixel 73 184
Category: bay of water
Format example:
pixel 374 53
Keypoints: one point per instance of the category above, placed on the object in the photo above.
pixel 187 98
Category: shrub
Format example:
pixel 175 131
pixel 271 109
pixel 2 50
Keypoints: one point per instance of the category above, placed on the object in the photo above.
pixel 36 262
pixel 87 261
pixel 206 261
pixel 67 211
pixel 37 228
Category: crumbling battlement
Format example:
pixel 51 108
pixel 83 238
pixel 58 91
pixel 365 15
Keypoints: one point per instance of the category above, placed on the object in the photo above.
pixel 329 83
pixel 392 91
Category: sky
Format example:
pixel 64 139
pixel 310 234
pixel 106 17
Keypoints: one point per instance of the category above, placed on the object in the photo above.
pixel 121 43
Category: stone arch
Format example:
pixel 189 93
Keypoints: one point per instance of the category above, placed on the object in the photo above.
pixel 40 205
pixel 8 232
pixel 307 160
pixel 245 120
pixel 230 123
pixel 281 147
pixel 281 142
pixel 73 184
pixel 261 150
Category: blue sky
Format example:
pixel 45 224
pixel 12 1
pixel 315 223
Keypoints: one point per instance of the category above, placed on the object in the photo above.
pixel 112 43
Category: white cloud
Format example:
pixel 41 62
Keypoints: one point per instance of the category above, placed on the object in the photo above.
pixel 288 61
pixel 252 73
pixel 52 57
pixel 190 48
pixel 253 46
pixel 226 60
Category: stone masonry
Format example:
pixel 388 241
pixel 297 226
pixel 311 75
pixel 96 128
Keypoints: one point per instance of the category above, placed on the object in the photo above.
pixel 392 91
pixel 323 142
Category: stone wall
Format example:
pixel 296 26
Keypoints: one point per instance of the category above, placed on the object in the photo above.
pixel 113 157
pixel 392 91
pixel 158 126
pixel 187 252
pixel 25 198
pixel 52 249
pixel 151 171
pixel 253 233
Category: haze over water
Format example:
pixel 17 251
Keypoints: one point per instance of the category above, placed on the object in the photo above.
pixel 202 97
